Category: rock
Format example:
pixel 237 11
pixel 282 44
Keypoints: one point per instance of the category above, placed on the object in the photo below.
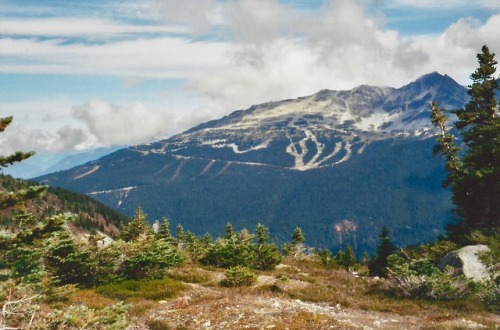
pixel 466 260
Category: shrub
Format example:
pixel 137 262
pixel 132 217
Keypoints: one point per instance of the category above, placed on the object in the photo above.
pixel 267 257
pixel 420 278
pixel 230 252
pixel 148 258
pixel 238 276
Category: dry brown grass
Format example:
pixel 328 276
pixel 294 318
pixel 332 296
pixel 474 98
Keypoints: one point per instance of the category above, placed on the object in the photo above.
pixel 301 295
pixel 90 298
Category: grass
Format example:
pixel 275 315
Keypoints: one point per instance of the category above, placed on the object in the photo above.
pixel 190 274
pixel 306 280
pixel 146 289
pixel 340 287
pixel 91 299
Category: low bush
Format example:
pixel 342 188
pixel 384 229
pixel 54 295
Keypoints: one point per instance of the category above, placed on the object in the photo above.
pixel 420 278
pixel 238 276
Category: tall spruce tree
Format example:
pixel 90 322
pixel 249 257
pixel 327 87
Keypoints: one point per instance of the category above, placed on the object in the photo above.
pixel 474 166
pixel 378 265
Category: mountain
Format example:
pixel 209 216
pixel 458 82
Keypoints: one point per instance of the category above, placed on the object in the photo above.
pixel 90 215
pixel 339 164
pixel 45 163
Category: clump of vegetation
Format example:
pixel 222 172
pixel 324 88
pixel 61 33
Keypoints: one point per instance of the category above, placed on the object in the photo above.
pixel 147 289
pixel 238 276
pixel 239 249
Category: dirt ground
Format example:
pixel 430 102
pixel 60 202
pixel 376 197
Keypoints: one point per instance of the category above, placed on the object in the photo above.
pixel 215 307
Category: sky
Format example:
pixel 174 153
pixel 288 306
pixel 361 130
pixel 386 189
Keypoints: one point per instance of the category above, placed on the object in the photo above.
pixel 78 75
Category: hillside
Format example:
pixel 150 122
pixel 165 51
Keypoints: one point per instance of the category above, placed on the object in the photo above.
pixel 90 214
pixel 338 164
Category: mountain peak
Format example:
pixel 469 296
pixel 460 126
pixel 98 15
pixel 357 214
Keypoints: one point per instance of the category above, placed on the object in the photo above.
pixel 432 81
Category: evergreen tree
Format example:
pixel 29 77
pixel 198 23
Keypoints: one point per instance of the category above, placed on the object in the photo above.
pixel 229 231
pixel 11 199
pixel 385 248
pixel 262 233
pixel 137 227
pixel 18 156
pixel 474 170
pixel 297 236
pixel 179 235
pixel 267 255
pixel 164 231
pixel 349 259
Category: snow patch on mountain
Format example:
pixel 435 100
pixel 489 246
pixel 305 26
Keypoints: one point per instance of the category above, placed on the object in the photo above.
pixel 122 193
pixel 319 130
pixel 222 143
pixel 94 169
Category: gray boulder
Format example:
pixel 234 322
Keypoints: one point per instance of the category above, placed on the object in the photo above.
pixel 467 262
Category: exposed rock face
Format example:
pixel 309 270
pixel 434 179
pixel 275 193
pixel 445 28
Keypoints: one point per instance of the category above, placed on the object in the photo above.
pixel 467 261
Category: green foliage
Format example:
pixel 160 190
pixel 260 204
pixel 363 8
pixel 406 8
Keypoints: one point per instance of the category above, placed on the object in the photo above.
pixel 179 230
pixel 230 252
pixel 297 237
pixel 67 262
pixel 420 278
pixel 17 156
pixel 196 247
pixel 164 231
pixel 430 251
pixel 474 170
pixel 267 255
pixel 12 199
pixel 348 259
pixel 83 317
pixel 147 258
pixel 326 258
pixel 238 249
pixel 238 276
pixel 138 226
pixel 148 289
pixel 24 307
pixel 379 263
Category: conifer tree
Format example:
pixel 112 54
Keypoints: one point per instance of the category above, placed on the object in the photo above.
pixel 474 169
pixel 297 236
pixel 349 258
pixel 164 231
pixel 137 227
pixel 229 231
pixel 267 255
pixel 14 198
pixel 385 248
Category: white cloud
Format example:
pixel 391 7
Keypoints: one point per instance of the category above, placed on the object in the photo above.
pixel 92 28
pixel 123 125
pixel 237 53
pixel 491 4
pixel 152 58
pixel 339 47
